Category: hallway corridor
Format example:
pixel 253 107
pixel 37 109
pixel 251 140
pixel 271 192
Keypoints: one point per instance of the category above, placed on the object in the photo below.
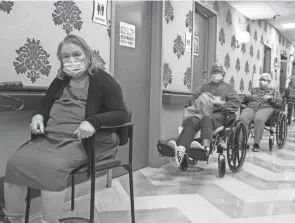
pixel 264 192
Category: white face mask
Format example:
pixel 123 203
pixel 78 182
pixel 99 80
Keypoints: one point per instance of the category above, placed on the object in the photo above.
pixel 74 68
pixel 264 84
pixel 216 78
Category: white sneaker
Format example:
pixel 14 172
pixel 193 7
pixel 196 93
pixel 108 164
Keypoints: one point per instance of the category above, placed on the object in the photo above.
pixel 179 155
pixel 196 144
pixel 173 145
pixel 179 152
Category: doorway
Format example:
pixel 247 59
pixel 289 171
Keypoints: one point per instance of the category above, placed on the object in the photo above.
pixel 204 38
pixel 283 73
pixel 132 68
pixel 267 59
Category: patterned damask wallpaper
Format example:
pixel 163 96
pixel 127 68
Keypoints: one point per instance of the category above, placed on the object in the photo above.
pixel 32 30
pixel 243 62
pixel 176 62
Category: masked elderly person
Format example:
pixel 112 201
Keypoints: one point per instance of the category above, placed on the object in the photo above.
pixel 290 96
pixel 260 105
pixel 80 100
pixel 226 97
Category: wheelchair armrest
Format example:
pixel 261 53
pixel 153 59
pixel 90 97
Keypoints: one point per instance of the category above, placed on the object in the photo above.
pixel 117 126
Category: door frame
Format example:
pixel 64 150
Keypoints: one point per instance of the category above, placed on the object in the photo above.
pixel 212 40
pixel 155 103
pixel 283 60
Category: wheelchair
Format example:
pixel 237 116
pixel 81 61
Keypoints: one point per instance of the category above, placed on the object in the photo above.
pixel 276 125
pixel 232 138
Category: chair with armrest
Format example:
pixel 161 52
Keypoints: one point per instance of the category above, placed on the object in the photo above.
pixel 125 133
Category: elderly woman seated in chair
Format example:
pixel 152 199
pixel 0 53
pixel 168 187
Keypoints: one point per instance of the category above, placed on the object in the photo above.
pixel 261 104
pixel 80 100
pixel 227 98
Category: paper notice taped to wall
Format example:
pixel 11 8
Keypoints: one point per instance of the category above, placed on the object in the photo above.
pixel 127 35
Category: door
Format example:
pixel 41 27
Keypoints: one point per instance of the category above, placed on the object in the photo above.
pixel 132 70
pixel 267 59
pixel 283 76
pixel 201 30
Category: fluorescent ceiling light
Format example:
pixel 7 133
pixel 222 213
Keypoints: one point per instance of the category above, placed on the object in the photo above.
pixel 254 10
pixel 288 25
pixel 243 37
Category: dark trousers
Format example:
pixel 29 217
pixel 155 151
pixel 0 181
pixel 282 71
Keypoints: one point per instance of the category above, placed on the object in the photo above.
pixel 192 125
pixel 290 111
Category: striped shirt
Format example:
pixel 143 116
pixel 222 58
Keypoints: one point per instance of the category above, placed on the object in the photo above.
pixel 256 100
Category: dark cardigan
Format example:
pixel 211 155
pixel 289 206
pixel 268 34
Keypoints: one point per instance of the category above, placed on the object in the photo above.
pixel 105 104
pixel 104 107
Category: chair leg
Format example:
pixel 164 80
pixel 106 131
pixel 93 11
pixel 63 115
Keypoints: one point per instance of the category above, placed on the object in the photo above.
pixel 73 193
pixel 27 217
pixel 92 198
pixel 131 195
pixel 109 178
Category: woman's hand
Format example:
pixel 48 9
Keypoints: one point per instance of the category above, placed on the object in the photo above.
pixel 37 125
pixel 266 97
pixel 85 130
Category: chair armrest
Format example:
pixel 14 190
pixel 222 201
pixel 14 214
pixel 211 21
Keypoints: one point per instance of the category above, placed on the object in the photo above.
pixel 117 126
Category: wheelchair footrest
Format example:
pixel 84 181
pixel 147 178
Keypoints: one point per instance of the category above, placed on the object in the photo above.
pixel 197 154
pixel 165 150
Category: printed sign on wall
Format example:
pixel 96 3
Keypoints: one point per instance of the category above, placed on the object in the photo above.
pixel 100 12
pixel 196 45
pixel 127 35
pixel 188 42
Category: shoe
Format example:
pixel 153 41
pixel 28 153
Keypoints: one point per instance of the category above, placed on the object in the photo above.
pixel 197 145
pixel 256 147
pixel 179 152
pixel 3 217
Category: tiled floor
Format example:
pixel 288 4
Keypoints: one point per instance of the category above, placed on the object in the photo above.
pixel 264 192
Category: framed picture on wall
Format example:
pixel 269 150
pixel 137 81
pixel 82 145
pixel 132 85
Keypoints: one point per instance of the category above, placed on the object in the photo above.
pixel 196 45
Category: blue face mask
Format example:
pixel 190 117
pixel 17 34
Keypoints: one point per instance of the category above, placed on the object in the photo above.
pixel 74 68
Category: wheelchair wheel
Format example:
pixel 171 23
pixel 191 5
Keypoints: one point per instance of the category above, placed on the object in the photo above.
pixel 281 130
pixel 237 145
pixel 221 165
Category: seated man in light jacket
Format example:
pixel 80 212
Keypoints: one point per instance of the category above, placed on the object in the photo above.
pixel 227 98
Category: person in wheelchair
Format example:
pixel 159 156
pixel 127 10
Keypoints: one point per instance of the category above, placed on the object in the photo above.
pixel 80 100
pixel 228 99
pixel 290 96
pixel 260 105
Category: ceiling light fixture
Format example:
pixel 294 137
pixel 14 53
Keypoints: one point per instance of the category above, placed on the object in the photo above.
pixel 243 37
pixel 288 25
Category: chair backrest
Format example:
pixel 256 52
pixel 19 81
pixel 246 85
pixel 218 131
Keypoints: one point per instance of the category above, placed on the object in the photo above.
pixel 123 133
